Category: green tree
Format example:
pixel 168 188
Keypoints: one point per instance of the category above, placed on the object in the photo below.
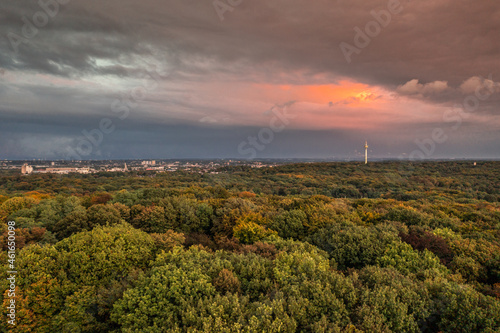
pixel 354 246
pixel 406 260
pixel 73 284
pixel 290 224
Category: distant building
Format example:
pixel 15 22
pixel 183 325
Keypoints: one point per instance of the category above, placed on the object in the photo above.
pixel 158 168
pixel 26 169
pixel 60 170
pixel 65 171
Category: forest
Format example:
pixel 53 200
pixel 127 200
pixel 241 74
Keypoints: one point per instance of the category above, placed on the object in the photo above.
pixel 308 247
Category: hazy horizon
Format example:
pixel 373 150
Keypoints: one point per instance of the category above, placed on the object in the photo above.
pixel 270 159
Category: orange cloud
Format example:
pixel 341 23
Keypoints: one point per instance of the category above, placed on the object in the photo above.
pixel 344 92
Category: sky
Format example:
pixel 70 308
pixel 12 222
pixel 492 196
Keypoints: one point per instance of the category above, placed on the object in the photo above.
pixel 122 79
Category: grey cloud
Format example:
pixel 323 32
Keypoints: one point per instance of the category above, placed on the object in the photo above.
pixel 188 141
pixel 429 40
pixel 274 42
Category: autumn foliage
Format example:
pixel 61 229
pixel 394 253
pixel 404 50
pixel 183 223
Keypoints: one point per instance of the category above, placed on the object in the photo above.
pixel 318 247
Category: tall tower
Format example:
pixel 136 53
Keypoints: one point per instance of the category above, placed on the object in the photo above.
pixel 366 152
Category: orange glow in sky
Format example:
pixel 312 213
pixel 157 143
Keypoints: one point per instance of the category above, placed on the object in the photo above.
pixel 323 94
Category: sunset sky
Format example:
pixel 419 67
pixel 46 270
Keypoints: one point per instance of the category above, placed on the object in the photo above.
pixel 200 79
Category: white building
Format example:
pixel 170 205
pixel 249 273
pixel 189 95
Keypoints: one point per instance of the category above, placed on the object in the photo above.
pixel 26 169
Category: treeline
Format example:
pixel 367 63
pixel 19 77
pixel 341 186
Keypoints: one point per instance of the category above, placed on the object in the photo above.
pixel 391 180
pixel 222 257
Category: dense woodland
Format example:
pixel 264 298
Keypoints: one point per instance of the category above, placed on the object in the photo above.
pixel 319 247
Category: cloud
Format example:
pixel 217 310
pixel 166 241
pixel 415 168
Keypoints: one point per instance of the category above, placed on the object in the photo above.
pixel 279 107
pixel 431 40
pixel 360 97
pixel 472 84
pixel 413 87
pixel 208 119
pixel 264 53
pixel 439 92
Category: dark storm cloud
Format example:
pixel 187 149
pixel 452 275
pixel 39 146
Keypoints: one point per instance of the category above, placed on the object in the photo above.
pixel 427 51
pixel 431 41
pixel 68 43
pixel 51 140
